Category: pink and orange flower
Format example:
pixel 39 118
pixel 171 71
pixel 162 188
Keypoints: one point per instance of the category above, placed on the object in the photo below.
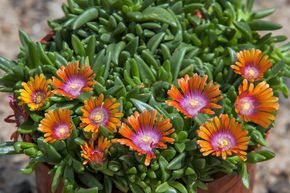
pixel 56 125
pixel 223 136
pixel 197 96
pixel 145 132
pixel 256 103
pixel 95 154
pixel 35 92
pixel 251 64
pixel 97 112
pixel 73 80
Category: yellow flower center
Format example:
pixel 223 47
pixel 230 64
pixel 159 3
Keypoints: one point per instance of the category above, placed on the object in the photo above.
pixel 74 86
pixel 146 138
pixel 224 143
pixel 38 98
pixel 251 72
pixel 62 130
pixel 246 106
pixel 194 102
pixel 99 116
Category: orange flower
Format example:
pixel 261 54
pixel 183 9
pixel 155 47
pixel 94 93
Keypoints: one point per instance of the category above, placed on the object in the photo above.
pixel 251 65
pixel 143 133
pixel 35 92
pixel 73 80
pixel 98 112
pixel 196 97
pixel 56 125
pixel 256 103
pixel 223 136
pixel 95 154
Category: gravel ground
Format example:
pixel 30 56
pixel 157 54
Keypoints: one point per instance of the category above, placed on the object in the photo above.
pixel 31 15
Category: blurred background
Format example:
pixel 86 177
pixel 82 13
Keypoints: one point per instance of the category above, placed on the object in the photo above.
pixel 31 15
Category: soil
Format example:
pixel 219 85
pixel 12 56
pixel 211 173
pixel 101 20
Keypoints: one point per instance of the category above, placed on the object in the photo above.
pixel 31 15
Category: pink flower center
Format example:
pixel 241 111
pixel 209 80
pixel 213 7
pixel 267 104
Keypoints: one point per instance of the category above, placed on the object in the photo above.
pixel 74 86
pixel 61 131
pixel 247 106
pixel 99 116
pixel 38 97
pixel 251 72
pixel 193 104
pixel 146 140
pixel 223 141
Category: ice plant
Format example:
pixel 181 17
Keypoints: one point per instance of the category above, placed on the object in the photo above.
pixel 72 80
pixel 130 53
pixel 223 136
pixel 256 103
pixel 95 153
pixel 251 64
pixel 35 92
pixel 97 111
pixel 145 132
pixel 56 125
pixel 197 96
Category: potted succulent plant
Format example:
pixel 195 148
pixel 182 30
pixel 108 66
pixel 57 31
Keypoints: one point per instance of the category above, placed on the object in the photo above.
pixel 147 96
